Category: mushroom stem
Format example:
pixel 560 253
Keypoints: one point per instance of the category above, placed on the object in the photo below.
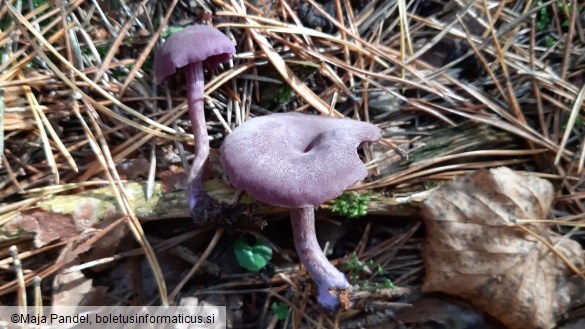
pixel 197 198
pixel 330 282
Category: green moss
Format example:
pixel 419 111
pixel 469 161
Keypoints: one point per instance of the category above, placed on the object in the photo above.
pixel 351 205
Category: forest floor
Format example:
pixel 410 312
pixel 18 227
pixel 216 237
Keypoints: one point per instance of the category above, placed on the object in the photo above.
pixel 471 215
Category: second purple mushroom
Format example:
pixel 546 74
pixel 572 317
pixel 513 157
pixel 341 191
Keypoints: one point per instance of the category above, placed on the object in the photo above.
pixel 192 49
pixel 299 161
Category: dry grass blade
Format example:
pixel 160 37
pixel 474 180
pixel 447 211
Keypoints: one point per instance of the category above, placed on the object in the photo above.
pixel 22 21
pixel 189 275
pixel 571 123
pixel 405 42
pixel 17 264
pixel 116 45
pixel 287 74
pixel 106 161
pixel 554 250
pixel 149 47
pixel 513 102
pixel 44 125
pixel 453 86
pixel 2 113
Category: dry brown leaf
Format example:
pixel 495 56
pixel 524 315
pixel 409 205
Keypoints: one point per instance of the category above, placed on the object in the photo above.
pixel 474 249
pixel 46 226
pixel 74 289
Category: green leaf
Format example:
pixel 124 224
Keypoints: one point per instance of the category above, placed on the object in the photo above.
pixel 252 258
pixel 280 310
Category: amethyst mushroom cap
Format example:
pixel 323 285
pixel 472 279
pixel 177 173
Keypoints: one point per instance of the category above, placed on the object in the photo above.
pixel 299 161
pixel 191 49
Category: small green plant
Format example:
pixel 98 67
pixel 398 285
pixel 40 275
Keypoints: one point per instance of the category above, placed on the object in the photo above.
pixel 354 264
pixel 375 286
pixel 171 30
pixel 281 310
pixel 543 20
pixel 388 284
pixel 543 23
pixel 284 95
pixel 357 268
pixel 252 257
pixel 568 12
pixel 351 205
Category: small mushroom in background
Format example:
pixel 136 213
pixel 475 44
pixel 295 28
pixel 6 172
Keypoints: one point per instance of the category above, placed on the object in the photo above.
pixel 191 49
pixel 299 161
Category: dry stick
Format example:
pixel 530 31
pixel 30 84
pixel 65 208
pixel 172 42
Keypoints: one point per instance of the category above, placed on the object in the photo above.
pixel 361 245
pixel 42 124
pixel 142 138
pixel 581 157
pixel 21 298
pixel 46 271
pixel 299 311
pixel 105 159
pixel 30 253
pixel 514 31
pixel 38 295
pixel 161 246
pixel 116 45
pixel 569 39
pixel 280 65
pixel 404 36
pixel 346 54
pixel 377 53
pixel 204 256
pixel 298 22
pixel 144 55
pixel 151 171
pixel 565 260
pixel 430 162
pixel 482 59
pixel 534 81
pixel 500 55
pixel 42 132
pixel 361 65
pixel 514 127
pixel 66 35
pixel 326 70
pixel 32 180
pixel 20 20
pixel 468 165
pixel 11 175
pixel 20 162
pixel 125 207
pixel 362 73
pixel 336 61
pixel 570 123
pixel 383 53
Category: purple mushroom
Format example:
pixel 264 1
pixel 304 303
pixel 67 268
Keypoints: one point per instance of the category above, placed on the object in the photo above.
pixel 191 49
pixel 299 161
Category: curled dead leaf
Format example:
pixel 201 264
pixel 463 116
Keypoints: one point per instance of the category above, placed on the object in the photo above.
pixel 475 250
pixel 46 226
